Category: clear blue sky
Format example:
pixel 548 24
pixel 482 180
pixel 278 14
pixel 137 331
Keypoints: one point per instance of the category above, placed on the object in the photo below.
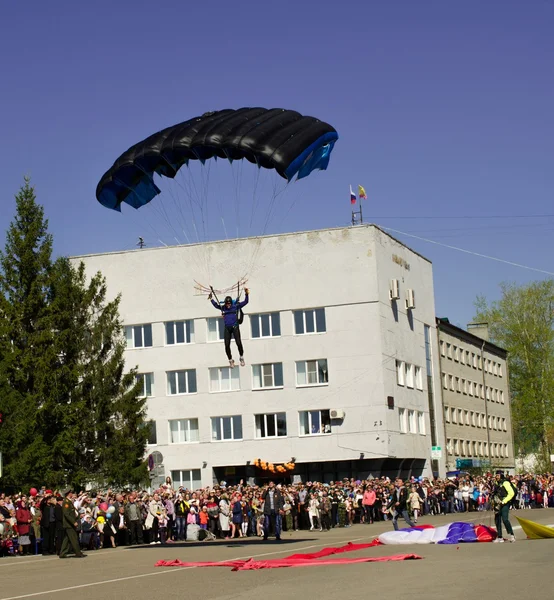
pixel 444 109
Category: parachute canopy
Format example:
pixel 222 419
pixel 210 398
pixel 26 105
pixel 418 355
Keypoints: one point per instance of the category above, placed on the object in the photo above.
pixel 276 138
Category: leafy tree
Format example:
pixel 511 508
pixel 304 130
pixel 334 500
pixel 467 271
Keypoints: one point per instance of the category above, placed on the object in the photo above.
pixel 71 412
pixel 111 435
pixel 24 337
pixel 522 323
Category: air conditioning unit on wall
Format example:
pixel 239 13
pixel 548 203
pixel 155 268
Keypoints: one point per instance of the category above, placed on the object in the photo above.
pixel 394 292
pixel 337 413
pixel 410 299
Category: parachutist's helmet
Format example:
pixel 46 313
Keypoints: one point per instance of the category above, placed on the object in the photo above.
pixel 228 300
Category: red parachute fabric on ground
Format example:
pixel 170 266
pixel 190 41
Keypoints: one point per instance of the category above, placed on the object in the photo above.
pixel 279 563
pixel 485 534
pixel 296 560
pixel 350 547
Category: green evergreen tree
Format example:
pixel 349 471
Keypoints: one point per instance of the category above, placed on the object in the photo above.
pixel 522 322
pixel 107 415
pixel 71 412
pixel 25 267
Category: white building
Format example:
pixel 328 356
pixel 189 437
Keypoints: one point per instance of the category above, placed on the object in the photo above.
pixel 336 376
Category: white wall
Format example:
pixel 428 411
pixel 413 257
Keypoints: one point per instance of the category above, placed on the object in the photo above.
pixel 345 270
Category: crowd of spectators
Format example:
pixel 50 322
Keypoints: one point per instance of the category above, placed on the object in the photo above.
pixel 32 523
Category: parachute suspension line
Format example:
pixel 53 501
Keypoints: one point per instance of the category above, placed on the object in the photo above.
pixel 272 204
pixel 161 211
pixel 255 197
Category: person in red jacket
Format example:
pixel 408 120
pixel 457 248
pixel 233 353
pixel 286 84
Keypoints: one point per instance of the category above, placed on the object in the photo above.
pixel 24 520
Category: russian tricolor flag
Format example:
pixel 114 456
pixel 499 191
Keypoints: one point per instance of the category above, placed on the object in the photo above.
pixel 352 196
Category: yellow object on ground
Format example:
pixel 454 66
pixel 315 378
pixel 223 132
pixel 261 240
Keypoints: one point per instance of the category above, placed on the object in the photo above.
pixel 535 531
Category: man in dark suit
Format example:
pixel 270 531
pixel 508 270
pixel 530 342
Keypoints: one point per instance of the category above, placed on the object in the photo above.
pixel 398 504
pixel 273 510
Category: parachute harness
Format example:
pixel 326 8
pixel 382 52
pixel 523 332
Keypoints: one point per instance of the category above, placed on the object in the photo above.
pixel 238 310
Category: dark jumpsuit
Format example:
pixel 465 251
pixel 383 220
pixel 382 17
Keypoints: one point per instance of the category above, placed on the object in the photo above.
pixel 232 329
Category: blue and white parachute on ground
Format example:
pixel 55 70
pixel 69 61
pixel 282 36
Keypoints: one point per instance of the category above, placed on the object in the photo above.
pixel 453 533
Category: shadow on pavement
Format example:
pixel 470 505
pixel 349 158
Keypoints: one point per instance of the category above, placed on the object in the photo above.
pixel 250 542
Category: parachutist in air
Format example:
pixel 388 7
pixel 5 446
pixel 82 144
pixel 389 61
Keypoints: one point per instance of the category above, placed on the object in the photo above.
pixel 231 311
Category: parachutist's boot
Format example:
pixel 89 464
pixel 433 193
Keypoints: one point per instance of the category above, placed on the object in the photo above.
pixel 241 361
pixel 231 363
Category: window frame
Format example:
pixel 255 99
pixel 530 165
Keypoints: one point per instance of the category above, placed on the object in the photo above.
pixel 132 328
pixel 186 430
pixel 222 430
pixel 259 316
pixel 220 329
pixel 263 375
pixel 191 478
pixel 234 370
pixel 187 379
pixel 142 377
pixel 315 320
pixel 322 424
pixel 318 370
pixel 275 416
pixel 188 332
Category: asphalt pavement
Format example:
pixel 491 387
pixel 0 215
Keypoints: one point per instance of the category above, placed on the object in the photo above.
pixel 451 572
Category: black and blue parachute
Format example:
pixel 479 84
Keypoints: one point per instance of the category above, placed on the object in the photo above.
pixel 284 140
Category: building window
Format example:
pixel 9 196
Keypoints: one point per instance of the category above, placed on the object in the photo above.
pixel 183 431
pixel 456 447
pixel 451 381
pixel 506 454
pixel 400 372
pixel 224 379
pixel 216 328
pixel 265 325
pixel 147 387
pixel 499 369
pixel 418 378
pixel 443 351
pixel 412 423
pixel 271 425
pixel 474 360
pixel 181 382
pixel 421 423
pixel 312 372
pixel 501 396
pixel 269 375
pixel 309 321
pixel 445 381
pixel 470 388
pixel 479 363
pixel 464 386
pixel 179 332
pixel 315 422
pixel 403 420
pixel 448 350
pixel 447 414
pixel 466 414
pixel 472 417
pixel 460 416
pixel 188 479
pixel 227 428
pixel 138 336
pixel 462 356
pixel 152 433
pixel 468 359
pixel 456 354
pixel 454 415
pixel 449 446
pixel 409 375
